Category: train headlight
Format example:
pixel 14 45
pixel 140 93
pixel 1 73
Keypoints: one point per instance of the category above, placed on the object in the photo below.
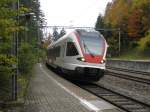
pixel 81 59
pixel 103 61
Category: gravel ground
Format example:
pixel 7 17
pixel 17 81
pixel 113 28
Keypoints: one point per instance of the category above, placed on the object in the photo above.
pixel 126 87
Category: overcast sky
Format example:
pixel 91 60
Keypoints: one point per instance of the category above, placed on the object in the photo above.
pixel 73 12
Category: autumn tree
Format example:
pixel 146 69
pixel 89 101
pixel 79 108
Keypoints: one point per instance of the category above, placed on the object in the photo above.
pixel 135 24
pixel 117 12
pixel 144 8
pixel 131 16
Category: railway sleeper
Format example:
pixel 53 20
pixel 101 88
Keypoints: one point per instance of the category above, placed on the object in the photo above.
pixel 106 94
pixel 132 106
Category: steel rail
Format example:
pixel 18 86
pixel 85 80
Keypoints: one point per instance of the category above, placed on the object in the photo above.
pixel 123 102
pixel 117 72
pixel 128 70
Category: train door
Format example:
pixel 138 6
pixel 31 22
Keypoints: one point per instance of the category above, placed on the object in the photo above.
pixel 62 54
pixel 71 54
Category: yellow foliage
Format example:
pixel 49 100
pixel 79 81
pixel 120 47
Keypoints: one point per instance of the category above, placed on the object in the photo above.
pixel 144 43
pixel 118 10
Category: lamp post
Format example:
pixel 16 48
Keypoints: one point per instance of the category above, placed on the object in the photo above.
pixel 14 77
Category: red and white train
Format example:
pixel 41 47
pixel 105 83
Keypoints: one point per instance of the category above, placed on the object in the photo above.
pixel 80 54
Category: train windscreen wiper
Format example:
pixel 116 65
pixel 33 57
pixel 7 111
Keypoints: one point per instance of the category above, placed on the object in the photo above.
pixel 86 48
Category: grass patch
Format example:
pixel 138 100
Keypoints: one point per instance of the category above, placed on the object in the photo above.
pixel 23 82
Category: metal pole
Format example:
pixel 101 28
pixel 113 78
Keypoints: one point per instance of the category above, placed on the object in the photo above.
pixel 14 77
pixel 26 35
pixel 119 41
pixel 38 43
pixel 38 35
pixel 17 37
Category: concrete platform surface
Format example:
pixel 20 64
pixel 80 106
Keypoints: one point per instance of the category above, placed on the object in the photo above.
pixel 49 92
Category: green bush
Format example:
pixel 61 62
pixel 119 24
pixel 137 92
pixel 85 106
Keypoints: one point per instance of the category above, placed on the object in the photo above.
pixel 26 58
pixel 6 66
pixel 133 44
pixel 144 44
pixel 6 71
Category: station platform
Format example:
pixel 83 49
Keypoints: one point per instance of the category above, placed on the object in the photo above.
pixel 49 92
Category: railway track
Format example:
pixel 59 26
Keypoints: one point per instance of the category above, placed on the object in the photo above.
pixel 126 103
pixel 137 76
pixel 128 70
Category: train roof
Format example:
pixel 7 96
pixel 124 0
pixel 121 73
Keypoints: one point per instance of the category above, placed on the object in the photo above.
pixel 88 30
pixel 60 39
pixel 79 31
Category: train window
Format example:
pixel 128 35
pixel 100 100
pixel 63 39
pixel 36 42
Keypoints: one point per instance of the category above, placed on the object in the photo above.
pixel 93 43
pixel 63 50
pixel 50 53
pixel 71 49
pixel 57 52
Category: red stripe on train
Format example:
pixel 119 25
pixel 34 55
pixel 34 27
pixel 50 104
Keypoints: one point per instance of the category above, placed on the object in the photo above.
pixel 93 59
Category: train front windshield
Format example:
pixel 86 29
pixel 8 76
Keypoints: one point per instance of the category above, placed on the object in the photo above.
pixel 92 43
